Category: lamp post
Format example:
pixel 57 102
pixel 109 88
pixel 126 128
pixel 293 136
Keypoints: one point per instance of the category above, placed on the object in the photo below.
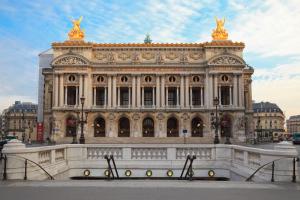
pixel 216 122
pixel 23 127
pixel 82 139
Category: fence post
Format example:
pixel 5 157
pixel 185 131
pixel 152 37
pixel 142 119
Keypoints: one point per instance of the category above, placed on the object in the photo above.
pixel 25 175
pixel 294 171
pixel 4 170
pixel 273 167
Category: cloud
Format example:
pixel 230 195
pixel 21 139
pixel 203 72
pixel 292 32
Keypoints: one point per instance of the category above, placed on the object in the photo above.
pixel 271 29
pixel 280 85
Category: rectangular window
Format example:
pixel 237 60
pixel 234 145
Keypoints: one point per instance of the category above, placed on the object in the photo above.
pixel 172 96
pixel 71 93
pixel 100 98
pixel 148 97
pixel 124 95
pixel 196 96
pixel 225 98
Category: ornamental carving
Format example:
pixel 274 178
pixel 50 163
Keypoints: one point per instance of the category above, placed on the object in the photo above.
pixel 195 55
pixel 148 55
pixel 226 60
pixel 70 60
pixel 160 116
pixel 172 56
pixel 124 56
pixel 135 116
pixel 183 58
pixel 135 58
pixel 100 56
pixel 160 58
pixel 110 58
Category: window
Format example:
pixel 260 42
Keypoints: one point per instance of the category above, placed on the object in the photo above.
pixel 148 79
pixel 196 79
pixel 172 96
pixel 225 97
pixel 172 79
pixel 148 97
pixel 71 78
pixel 224 78
pixel 71 95
pixel 124 79
pixel 100 79
pixel 148 127
pixel 196 94
pixel 71 126
pixel 197 127
pixel 99 127
pixel 124 96
pixel 100 98
pixel 124 127
pixel 172 127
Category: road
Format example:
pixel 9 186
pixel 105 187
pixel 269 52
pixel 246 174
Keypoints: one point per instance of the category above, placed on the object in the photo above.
pixel 147 190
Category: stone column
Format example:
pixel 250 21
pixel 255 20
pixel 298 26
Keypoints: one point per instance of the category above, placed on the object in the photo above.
pixel 187 86
pixel 80 86
pixel 109 91
pixel 129 96
pixel 235 91
pixel 114 92
pixel 167 95
pixel 157 91
pixel 143 93
pixel 191 96
pixel 90 90
pixel 56 89
pixel 105 96
pixel 61 90
pixel 133 92
pixel 250 94
pixel 182 91
pixel 77 95
pixel 138 91
pixel 215 86
pixel 118 96
pixel 241 91
pixel 66 95
pixel 206 90
pixel 162 91
pixel 230 95
pixel 94 103
pixel 201 95
pixel 220 95
pixel 153 96
pixel 86 91
pixel 177 97
pixel 211 91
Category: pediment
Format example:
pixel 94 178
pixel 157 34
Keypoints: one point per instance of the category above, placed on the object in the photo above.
pixel 70 59
pixel 226 60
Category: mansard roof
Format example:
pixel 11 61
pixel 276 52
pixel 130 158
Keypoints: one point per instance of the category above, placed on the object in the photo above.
pixel 222 43
pixel 266 107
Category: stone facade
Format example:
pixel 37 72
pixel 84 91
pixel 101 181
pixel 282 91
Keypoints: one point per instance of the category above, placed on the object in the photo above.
pixel 268 119
pixel 20 120
pixel 293 124
pixel 170 85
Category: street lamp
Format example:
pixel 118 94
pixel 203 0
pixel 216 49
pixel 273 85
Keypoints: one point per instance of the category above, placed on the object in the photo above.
pixel 23 127
pixel 216 122
pixel 82 139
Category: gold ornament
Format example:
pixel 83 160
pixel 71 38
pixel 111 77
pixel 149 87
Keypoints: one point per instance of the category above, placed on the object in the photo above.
pixel 220 32
pixel 76 33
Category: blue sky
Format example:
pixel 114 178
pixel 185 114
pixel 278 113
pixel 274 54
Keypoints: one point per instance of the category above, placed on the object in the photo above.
pixel 270 30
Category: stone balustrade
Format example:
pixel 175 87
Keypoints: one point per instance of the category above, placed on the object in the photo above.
pixel 69 160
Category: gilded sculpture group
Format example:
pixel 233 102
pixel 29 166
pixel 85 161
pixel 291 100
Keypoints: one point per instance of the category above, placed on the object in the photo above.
pixel 219 33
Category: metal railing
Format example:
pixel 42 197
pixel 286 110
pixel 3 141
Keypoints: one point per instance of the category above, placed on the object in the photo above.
pixel 189 171
pixel 295 159
pixel 108 159
pixel 25 167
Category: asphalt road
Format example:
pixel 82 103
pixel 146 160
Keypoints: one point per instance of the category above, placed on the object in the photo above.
pixel 147 190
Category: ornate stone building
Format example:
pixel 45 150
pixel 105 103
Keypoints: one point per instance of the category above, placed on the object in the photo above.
pixel 147 92
pixel 293 124
pixel 20 120
pixel 268 118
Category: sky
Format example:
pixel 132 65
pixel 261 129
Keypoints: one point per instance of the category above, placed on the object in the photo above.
pixel 270 30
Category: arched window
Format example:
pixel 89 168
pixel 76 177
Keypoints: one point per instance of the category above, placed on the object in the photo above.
pixel 124 79
pixel 172 127
pixel 99 127
pixel 148 127
pixel 148 79
pixel 71 128
pixel 197 127
pixel 124 127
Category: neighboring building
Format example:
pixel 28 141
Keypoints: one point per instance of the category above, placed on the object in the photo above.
pixel 293 124
pixel 45 59
pixel 20 120
pixel 147 92
pixel 268 118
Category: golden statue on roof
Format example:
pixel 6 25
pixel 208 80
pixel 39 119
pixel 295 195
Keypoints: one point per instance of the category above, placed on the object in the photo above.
pixel 220 32
pixel 76 33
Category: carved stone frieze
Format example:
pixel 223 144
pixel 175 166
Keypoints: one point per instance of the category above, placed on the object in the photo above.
pixel 225 60
pixel 148 55
pixel 70 60
pixel 195 55
pixel 172 55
